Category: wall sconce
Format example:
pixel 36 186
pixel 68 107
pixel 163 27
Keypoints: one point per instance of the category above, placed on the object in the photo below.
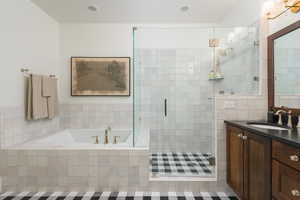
pixel 276 8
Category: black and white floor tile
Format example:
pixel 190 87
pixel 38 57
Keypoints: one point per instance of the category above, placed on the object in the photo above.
pixel 181 164
pixel 117 196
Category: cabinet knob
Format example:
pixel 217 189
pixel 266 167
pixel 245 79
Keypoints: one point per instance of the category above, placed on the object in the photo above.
pixel 294 158
pixel 295 193
pixel 240 135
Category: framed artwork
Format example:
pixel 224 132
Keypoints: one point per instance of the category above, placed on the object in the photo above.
pixel 100 76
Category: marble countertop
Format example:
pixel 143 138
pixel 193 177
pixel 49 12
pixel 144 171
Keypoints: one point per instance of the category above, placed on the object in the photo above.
pixel 290 136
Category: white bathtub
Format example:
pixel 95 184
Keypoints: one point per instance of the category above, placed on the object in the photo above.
pixel 84 139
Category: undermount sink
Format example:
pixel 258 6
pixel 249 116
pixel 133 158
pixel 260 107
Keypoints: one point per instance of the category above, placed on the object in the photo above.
pixel 268 127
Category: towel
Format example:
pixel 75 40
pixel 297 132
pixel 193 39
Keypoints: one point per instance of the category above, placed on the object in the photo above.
pixel 42 98
pixel 47 89
pixel 29 99
pixel 36 103
pixel 52 99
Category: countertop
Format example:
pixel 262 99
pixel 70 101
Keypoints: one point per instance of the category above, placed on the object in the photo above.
pixel 290 136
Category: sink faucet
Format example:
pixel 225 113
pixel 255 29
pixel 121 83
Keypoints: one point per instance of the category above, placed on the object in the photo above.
pixel 106 137
pixel 280 112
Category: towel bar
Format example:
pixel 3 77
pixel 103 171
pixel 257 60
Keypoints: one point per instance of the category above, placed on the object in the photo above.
pixel 26 71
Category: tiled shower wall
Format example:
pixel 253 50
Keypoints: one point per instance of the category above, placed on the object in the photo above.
pixel 241 57
pixel 14 129
pixel 180 76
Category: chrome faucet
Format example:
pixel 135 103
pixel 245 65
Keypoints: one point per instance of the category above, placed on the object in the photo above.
pixel 280 112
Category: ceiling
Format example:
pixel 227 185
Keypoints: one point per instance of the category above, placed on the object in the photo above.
pixel 137 11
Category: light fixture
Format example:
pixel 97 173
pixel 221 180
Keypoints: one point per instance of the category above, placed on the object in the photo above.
pixel 294 6
pixel 92 8
pixel 268 7
pixel 276 8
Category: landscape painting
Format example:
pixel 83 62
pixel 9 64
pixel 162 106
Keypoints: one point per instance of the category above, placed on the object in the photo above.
pixel 100 76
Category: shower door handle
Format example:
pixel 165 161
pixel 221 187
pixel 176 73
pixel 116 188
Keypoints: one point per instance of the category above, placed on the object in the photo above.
pixel 166 107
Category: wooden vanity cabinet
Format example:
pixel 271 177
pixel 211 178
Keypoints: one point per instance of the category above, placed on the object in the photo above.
pixel 248 164
pixel 285 171
pixel 235 161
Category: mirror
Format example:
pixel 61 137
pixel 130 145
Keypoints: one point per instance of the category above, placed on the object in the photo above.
pixel 284 68
pixel 287 70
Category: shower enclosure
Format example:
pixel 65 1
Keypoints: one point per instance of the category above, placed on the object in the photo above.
pixel 174 96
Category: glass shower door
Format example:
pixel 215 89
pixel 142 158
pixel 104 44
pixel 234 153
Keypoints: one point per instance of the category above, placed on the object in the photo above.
pixel 174 100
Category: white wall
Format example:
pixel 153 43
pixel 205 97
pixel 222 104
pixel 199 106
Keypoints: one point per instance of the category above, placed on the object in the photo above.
pixel 28 38
pixel 92 40
pixel 283 21
pixel 245 12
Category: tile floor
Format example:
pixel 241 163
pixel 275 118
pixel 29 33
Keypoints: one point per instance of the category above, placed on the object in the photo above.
pixel 181 164
pixel 117 196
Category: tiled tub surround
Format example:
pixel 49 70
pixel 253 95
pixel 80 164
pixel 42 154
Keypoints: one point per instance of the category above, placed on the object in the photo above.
pixel 15 129
pixel 82 139
pixel 115 170
pixel 74 170
pixel 88 170
pixel 86 115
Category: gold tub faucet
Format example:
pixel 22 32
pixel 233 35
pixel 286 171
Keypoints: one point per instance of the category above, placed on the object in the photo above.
pixel 106 141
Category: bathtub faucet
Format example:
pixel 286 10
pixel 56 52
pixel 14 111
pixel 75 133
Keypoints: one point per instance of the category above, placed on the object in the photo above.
pixel 106 137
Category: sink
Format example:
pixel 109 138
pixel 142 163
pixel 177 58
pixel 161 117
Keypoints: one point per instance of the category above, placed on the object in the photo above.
pixel 270 127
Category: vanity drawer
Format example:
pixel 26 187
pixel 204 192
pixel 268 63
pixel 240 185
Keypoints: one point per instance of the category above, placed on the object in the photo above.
pixel 286 154
pixel 285 183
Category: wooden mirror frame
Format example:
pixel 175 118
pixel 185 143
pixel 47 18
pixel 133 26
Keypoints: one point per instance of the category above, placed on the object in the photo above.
pixel 271 63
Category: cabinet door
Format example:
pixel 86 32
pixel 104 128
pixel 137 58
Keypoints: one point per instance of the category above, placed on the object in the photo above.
pixel 286 182
pixel 235 165
pixel 257 162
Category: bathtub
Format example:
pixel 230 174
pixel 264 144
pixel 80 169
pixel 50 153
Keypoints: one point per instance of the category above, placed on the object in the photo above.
pixel 85 139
